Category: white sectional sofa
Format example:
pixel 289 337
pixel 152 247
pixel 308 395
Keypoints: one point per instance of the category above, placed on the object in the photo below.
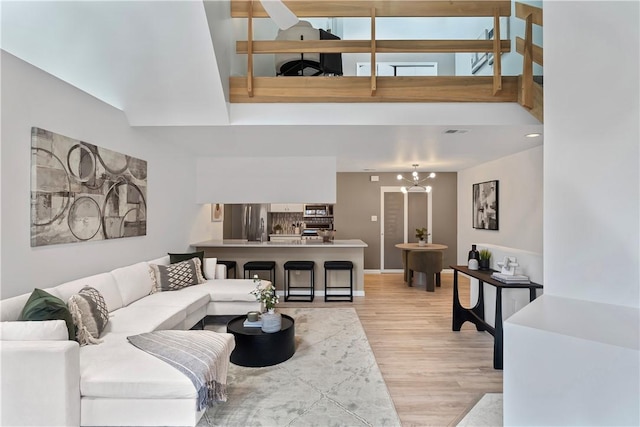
pixel 57 382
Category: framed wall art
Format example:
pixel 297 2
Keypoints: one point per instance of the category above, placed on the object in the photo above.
pixel 485 205
pixel 82 192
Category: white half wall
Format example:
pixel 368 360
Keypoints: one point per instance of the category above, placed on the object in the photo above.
pixel 31 97
pixel 266 180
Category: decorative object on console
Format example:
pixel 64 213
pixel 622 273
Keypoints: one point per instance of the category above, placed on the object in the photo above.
pixel 174 277
pixel 422 235
pixel 508 265
pixel 82 192
pixel 473 264
pixel 485 259
pixel 485 205
pixel 417 184
pixel 41 305
pixel 473 253
pixel 90 315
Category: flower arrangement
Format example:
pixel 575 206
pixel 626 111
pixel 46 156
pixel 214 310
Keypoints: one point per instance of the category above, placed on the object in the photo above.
pixel 265 293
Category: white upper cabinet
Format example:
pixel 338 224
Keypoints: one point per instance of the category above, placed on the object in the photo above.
pixel 287 207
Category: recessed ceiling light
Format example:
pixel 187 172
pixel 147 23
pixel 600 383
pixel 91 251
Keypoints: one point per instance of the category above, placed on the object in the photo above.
pixel 532 135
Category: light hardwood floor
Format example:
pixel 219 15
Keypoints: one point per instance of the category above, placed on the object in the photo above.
pixel 434 375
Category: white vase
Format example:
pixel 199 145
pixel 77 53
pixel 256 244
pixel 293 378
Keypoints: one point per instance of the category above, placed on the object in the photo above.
pixel 422 242
pixel 271 321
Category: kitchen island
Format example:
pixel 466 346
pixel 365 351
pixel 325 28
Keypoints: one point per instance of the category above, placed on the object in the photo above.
pixel 243 251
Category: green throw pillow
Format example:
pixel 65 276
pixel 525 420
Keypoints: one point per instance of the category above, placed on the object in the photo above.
pixel 44 306
pixel 176 258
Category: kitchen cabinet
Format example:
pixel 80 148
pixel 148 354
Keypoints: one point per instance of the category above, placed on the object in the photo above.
pixel 287 207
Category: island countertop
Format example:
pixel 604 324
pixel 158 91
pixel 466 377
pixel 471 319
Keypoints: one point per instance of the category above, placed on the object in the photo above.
pixel 239 243
pixel 243 251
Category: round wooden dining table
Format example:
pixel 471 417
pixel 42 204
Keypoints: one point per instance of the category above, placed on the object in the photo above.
pixel 408 247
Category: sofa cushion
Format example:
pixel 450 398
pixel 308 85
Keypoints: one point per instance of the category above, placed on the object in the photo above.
pixel 210 265
pixel 176 258
pixel 117 369
pixel 44 306
pixel 226 289
pixel 176 276
pixel 191 301
pixel 133 281
pixel 105 283
pixel 44 330
pixel 90 315
pixel 145 319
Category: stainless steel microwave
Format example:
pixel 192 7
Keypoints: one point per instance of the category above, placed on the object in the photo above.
pixel 318 211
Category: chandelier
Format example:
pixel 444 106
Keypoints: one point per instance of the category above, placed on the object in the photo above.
pixel 415 181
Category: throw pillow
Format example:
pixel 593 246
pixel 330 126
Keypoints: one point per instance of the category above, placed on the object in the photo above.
pixel 90 315
pixel 176 276
pixel 42 305
pixel 176 258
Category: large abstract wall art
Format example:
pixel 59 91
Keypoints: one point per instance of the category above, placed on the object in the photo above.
pixel 82 192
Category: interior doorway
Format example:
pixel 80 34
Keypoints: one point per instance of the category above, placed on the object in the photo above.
pixel 401 214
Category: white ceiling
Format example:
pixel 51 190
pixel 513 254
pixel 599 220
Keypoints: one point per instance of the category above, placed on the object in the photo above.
pixel 156 61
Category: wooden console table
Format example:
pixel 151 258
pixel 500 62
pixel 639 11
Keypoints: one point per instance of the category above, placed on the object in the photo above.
pixel 475 314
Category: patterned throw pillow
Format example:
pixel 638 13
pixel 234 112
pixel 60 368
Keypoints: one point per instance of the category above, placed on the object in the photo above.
pixel 176 276
pixel 90 315
pixel 176 258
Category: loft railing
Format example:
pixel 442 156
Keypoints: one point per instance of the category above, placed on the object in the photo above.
pixel 530 94
pixel 496 88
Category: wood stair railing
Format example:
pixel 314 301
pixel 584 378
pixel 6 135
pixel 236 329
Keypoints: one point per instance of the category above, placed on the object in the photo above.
pixel 496 88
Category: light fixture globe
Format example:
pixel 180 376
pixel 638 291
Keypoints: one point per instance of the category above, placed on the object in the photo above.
pixel 416 184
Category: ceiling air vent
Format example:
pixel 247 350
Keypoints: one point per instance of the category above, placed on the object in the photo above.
pixel 449 131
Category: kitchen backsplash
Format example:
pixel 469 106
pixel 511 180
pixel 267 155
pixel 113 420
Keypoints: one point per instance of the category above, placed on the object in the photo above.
pixel 286 221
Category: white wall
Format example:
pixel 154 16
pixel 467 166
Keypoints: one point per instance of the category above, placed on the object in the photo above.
pixel 263 179
pixel 573 355
pixel 31 97
pixel 519 203
pixel 592 208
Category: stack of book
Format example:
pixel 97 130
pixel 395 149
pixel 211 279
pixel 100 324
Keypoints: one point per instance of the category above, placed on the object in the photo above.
pixel 249 324
pixel 511 279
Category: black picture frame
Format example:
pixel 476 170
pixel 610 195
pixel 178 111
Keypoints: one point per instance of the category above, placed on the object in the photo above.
pixel 485 207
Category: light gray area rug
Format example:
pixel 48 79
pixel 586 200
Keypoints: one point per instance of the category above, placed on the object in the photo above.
pixel 332 380
pixel 487 412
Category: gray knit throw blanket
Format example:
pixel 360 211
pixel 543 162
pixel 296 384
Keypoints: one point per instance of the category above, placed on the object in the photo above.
pixel 203 356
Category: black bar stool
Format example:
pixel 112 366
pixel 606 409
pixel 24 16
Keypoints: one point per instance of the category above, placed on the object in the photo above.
pixel 338 265
pixel 299 266
pixel 231 265
pixel 269 266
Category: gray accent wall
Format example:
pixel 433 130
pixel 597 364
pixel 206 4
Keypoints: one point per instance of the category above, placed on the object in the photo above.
pixel 358 198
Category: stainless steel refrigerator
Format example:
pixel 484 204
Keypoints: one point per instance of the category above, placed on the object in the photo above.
pixel 251 222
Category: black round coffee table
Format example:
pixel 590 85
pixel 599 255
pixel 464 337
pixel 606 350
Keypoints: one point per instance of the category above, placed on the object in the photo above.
pixel 255 348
